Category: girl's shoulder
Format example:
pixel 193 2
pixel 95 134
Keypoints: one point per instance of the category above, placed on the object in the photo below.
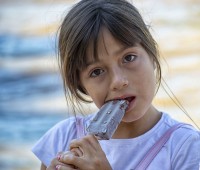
pixel 186 128
pixel 70 124
pixel 183 146
pixel 183 133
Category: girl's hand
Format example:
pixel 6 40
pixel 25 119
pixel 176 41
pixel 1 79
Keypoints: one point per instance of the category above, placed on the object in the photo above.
pixel 89 155
pixel 57 165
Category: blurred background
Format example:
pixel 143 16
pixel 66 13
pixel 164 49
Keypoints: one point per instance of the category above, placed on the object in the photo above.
pixel 31 94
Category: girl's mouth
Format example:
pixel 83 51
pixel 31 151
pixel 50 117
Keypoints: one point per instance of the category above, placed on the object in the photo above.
pixel 131 101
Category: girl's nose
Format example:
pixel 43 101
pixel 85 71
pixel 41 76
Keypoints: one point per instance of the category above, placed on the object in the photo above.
pixel 118 81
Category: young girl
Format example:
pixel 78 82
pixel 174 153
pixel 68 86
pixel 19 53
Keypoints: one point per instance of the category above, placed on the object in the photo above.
pixel 107 53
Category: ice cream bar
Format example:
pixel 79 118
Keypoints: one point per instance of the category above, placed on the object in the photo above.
pixel 107 119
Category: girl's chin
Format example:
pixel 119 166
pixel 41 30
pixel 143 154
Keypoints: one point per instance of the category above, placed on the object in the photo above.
pixel 132 116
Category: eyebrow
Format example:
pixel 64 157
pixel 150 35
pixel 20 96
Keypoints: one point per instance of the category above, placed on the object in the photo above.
pixel 124 47
pixel 119 51
pixel 91 63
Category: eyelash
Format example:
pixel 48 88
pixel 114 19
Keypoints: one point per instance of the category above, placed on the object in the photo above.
pixel 101 70
pixel 132 59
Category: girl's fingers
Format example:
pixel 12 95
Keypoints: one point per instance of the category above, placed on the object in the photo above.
pixel 61 167
pixel 88 154
pixel 77 151
pixel 99 162
pixel 72 160
pixel 56 163
pixel 85 143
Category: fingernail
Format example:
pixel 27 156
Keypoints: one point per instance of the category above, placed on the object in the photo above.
pixel 58 167
pixel 59 157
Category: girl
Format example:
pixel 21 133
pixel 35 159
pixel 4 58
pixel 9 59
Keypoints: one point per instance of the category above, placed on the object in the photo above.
pixel 107 53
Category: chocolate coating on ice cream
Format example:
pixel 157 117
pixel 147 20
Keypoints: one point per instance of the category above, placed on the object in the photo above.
pixel 107 119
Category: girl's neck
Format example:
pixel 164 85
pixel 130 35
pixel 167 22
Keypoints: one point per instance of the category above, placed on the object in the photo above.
pixel 134 129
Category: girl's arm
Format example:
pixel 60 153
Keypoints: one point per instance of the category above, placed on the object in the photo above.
pixel 43 167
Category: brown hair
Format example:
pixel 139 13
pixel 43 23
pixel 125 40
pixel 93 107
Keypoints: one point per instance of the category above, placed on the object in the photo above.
pixel 81 27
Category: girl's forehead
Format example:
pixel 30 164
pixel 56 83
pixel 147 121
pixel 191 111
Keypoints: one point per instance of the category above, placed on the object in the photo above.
pixel 104 43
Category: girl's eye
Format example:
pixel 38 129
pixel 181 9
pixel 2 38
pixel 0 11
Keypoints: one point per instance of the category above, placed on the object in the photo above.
pixel 96 72
pixel 129 58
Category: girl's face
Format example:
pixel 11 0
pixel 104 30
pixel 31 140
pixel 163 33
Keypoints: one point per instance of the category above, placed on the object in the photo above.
pixel 121 72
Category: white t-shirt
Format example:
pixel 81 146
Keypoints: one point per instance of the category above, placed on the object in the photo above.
pixel 181 152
